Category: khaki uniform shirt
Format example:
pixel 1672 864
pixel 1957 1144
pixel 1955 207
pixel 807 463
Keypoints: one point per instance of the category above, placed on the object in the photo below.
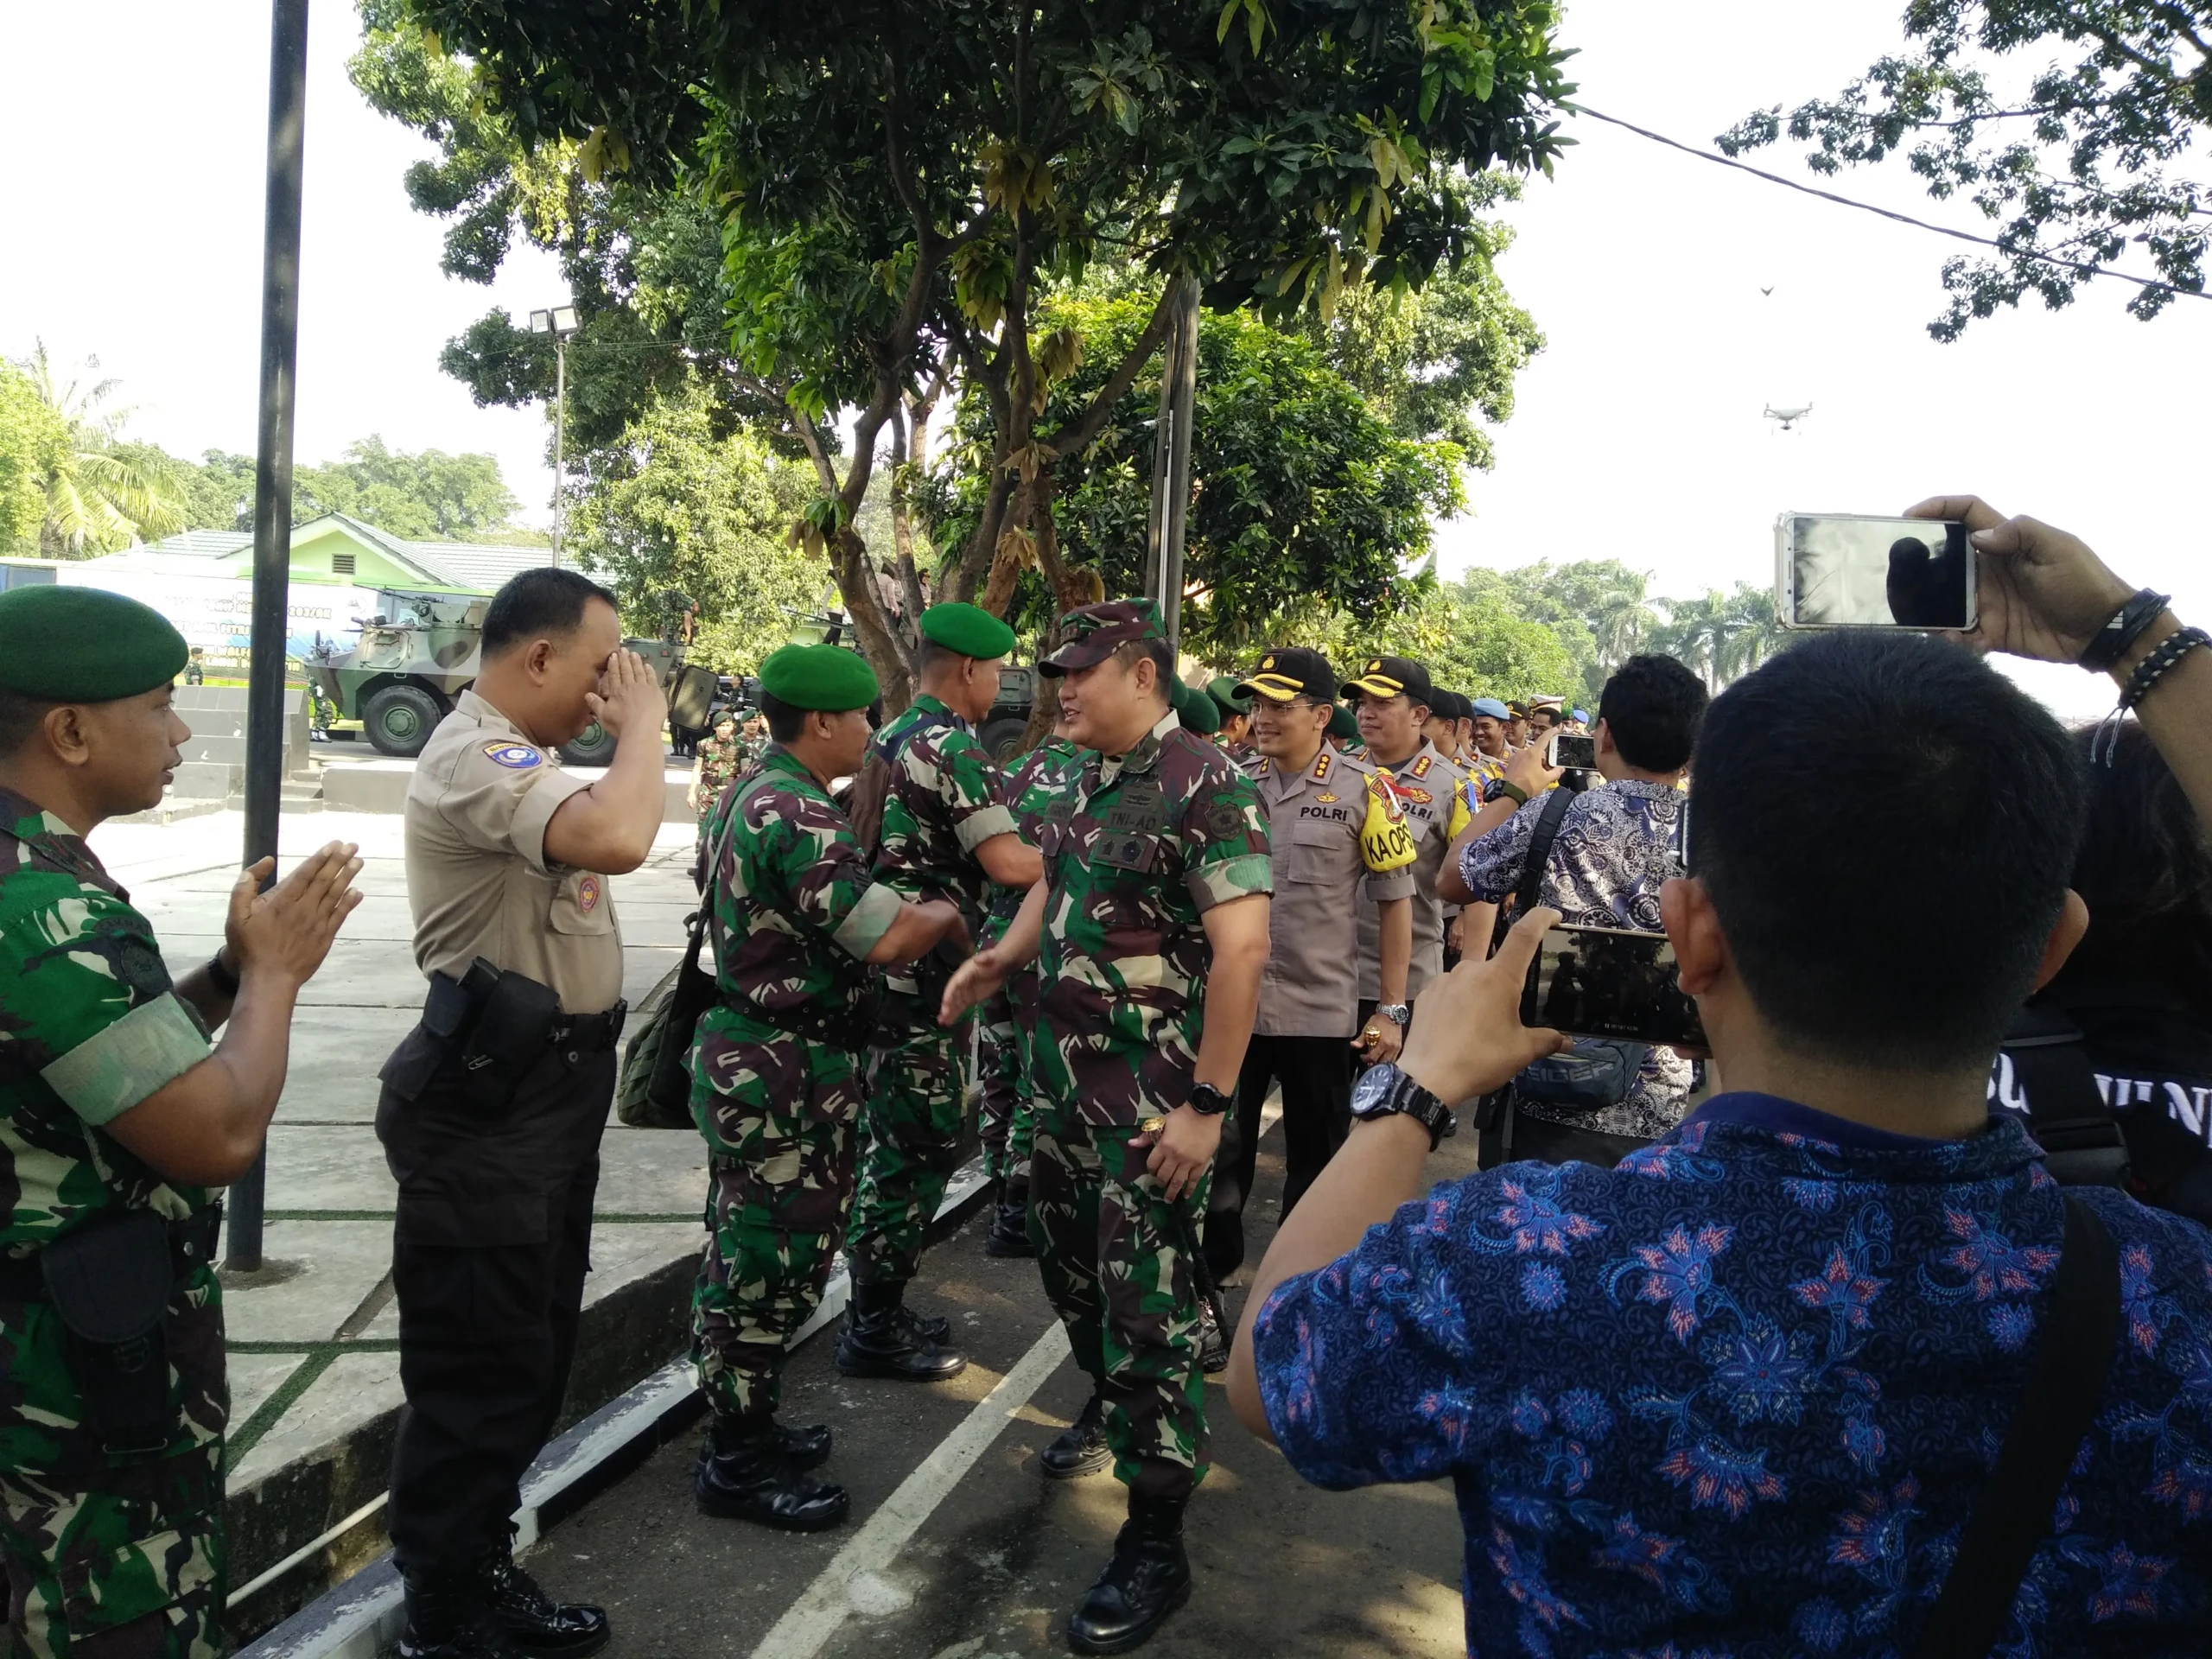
pixel 1335 833
pixel 1429 787
pixel 477 879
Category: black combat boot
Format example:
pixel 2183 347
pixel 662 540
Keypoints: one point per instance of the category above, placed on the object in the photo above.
pixel 877 1342
pixel 745 1474
pixel 450 1616
pixel 535 1624
pixel 1080 1448
pixel 1148 1578
pixel 1009 1234
pixel 805 1448
pixel 926 1327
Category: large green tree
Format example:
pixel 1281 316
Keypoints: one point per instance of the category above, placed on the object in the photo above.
pixel 424 495
pixel 34 445
pixel 101 491
pixel 1304 500
pixel 898 184
pixel 684 501
pixel 2066 122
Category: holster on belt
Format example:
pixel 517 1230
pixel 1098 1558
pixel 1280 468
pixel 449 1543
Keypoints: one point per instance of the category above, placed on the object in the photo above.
pixel 497 1024
pixel 110 1279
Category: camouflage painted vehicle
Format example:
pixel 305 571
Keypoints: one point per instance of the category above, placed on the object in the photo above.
pixel 422 650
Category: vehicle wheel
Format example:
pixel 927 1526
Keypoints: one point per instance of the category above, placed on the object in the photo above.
pixel 594 748
pixel 1002 737
pixel 400 719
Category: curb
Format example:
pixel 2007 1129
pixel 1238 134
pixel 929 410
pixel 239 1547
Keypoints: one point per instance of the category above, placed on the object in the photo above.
pixel 362 1617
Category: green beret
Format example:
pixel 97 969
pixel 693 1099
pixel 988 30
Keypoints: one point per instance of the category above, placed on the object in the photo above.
pixel 822 677
pixel 1195 709
pixel 1224 690
pixel 1344 724
pixel 84 644
pixel 968 629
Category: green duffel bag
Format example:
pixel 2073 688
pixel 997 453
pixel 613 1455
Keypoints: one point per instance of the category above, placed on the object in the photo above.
pixel 660 1031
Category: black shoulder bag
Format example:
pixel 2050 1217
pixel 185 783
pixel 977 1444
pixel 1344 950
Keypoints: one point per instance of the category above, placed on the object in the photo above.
pixel 2012 1515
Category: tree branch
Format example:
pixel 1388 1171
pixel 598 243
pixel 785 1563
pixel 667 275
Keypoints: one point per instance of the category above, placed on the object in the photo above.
pixel 1077 435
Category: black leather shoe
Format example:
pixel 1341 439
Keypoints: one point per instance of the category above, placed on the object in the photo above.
pixel 450 1616
pixel 535 1624
pixel 1148 1578
pixel 877 1342
pixel 926 1327
pixel 1009 1234
pixel 1080 1448
pixel 743 1474
pixel 805 1448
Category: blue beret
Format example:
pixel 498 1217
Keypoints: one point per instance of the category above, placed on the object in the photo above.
pixel 84 644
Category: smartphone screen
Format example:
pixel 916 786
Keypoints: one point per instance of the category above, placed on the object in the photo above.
pixel 1843 570
pixel 1574 749
pixel 1603 981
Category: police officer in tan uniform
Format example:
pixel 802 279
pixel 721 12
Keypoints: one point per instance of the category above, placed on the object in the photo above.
pixel 1394 695
pixel 492 1106
pixel 1335 833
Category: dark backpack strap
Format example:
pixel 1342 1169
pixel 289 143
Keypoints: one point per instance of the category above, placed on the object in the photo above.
pixel 2013 1514
pixel 1533 867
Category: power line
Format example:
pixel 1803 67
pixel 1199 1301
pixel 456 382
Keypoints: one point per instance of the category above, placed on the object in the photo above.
pixel 2086 269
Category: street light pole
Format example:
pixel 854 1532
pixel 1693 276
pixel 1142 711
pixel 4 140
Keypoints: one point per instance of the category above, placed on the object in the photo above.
pixel 1171 459
pixel 560 321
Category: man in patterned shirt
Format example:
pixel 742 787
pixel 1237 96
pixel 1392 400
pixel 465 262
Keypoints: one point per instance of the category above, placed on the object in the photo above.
pixel 1150 929
pixel 718 758
pixel 1009 1087
pixel 117 1119
pixel 1613 850
pixel 796 919
pixel 1742 1393
pixel 946 834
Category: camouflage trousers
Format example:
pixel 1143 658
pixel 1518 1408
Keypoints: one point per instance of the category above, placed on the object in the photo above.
pixel 1009 1116
pixel 910 1142
pixel 112 1557
pixel 777 1111
pixel 1116 1272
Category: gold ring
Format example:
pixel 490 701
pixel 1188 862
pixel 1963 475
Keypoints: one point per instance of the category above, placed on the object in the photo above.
pixel 1151 1125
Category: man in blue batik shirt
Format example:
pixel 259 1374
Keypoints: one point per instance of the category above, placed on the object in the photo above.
pixel 1740 1395
pixel 1614 850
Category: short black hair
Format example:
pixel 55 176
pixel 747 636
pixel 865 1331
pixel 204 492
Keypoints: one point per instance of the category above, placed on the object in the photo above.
pixel 1159 652
pixel 784 719
pixel 20 716
pixel 536 605
pixel 1653 705
pixel 1886 826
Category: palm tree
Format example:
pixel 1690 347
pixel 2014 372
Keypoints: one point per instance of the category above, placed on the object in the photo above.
pixel 1756 631
pixel 102 493
pixel 1697 631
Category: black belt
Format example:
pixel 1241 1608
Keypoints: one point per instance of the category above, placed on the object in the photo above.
pixel 591 1031
pixel 192 1246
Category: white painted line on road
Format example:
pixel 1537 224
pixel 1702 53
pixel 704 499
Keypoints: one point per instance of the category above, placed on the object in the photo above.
pixel 816 1617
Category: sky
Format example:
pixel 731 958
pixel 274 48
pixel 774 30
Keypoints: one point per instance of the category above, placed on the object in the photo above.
pixel 1638 433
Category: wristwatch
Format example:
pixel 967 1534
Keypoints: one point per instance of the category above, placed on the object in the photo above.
pixel 1385 1091
pixel 1396 1012
pixel 1206 1100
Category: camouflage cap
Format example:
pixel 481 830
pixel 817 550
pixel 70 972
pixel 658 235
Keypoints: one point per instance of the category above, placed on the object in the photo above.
pixel 1095 631
pixel 84 644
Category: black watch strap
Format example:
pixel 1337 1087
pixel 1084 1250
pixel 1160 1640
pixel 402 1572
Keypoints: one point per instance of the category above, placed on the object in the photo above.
pixel 224 980
pixel 1385 1091
pixel 1207 1101
pixel 2124 627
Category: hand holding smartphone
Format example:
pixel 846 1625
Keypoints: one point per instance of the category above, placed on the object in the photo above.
pixel 1853 571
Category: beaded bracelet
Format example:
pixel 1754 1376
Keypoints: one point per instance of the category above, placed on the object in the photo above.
pixel 2151 669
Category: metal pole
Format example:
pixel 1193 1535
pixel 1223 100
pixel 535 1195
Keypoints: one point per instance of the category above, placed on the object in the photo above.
pixel 560 437
pixel 272 507
pixel 1184 393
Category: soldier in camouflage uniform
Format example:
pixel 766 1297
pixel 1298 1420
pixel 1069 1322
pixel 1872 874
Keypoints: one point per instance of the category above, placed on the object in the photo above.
pixel 946 833
pixel 1151 922
pixel 1009 1089
pixel 116 1120
pixel 796 919
pixel 718 761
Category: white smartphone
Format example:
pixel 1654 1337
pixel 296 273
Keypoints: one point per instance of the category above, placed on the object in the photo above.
pixel 1853 570
pixel 1572 750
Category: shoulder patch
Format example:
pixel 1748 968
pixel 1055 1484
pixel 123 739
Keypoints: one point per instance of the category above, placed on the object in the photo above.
pixel 1225 819
pixel 516 757
pixel 1421 765
pixel 1322 762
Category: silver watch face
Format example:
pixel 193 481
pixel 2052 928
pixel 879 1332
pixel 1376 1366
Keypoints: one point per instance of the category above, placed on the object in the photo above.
pixel 1373 1088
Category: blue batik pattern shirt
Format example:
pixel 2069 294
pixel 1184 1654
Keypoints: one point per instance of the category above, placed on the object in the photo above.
pixel 1614 850
pixel 1736 1397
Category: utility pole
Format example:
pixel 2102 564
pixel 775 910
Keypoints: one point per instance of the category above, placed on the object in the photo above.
pixel 1171 459
pixel 560 321
pixel 272 511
